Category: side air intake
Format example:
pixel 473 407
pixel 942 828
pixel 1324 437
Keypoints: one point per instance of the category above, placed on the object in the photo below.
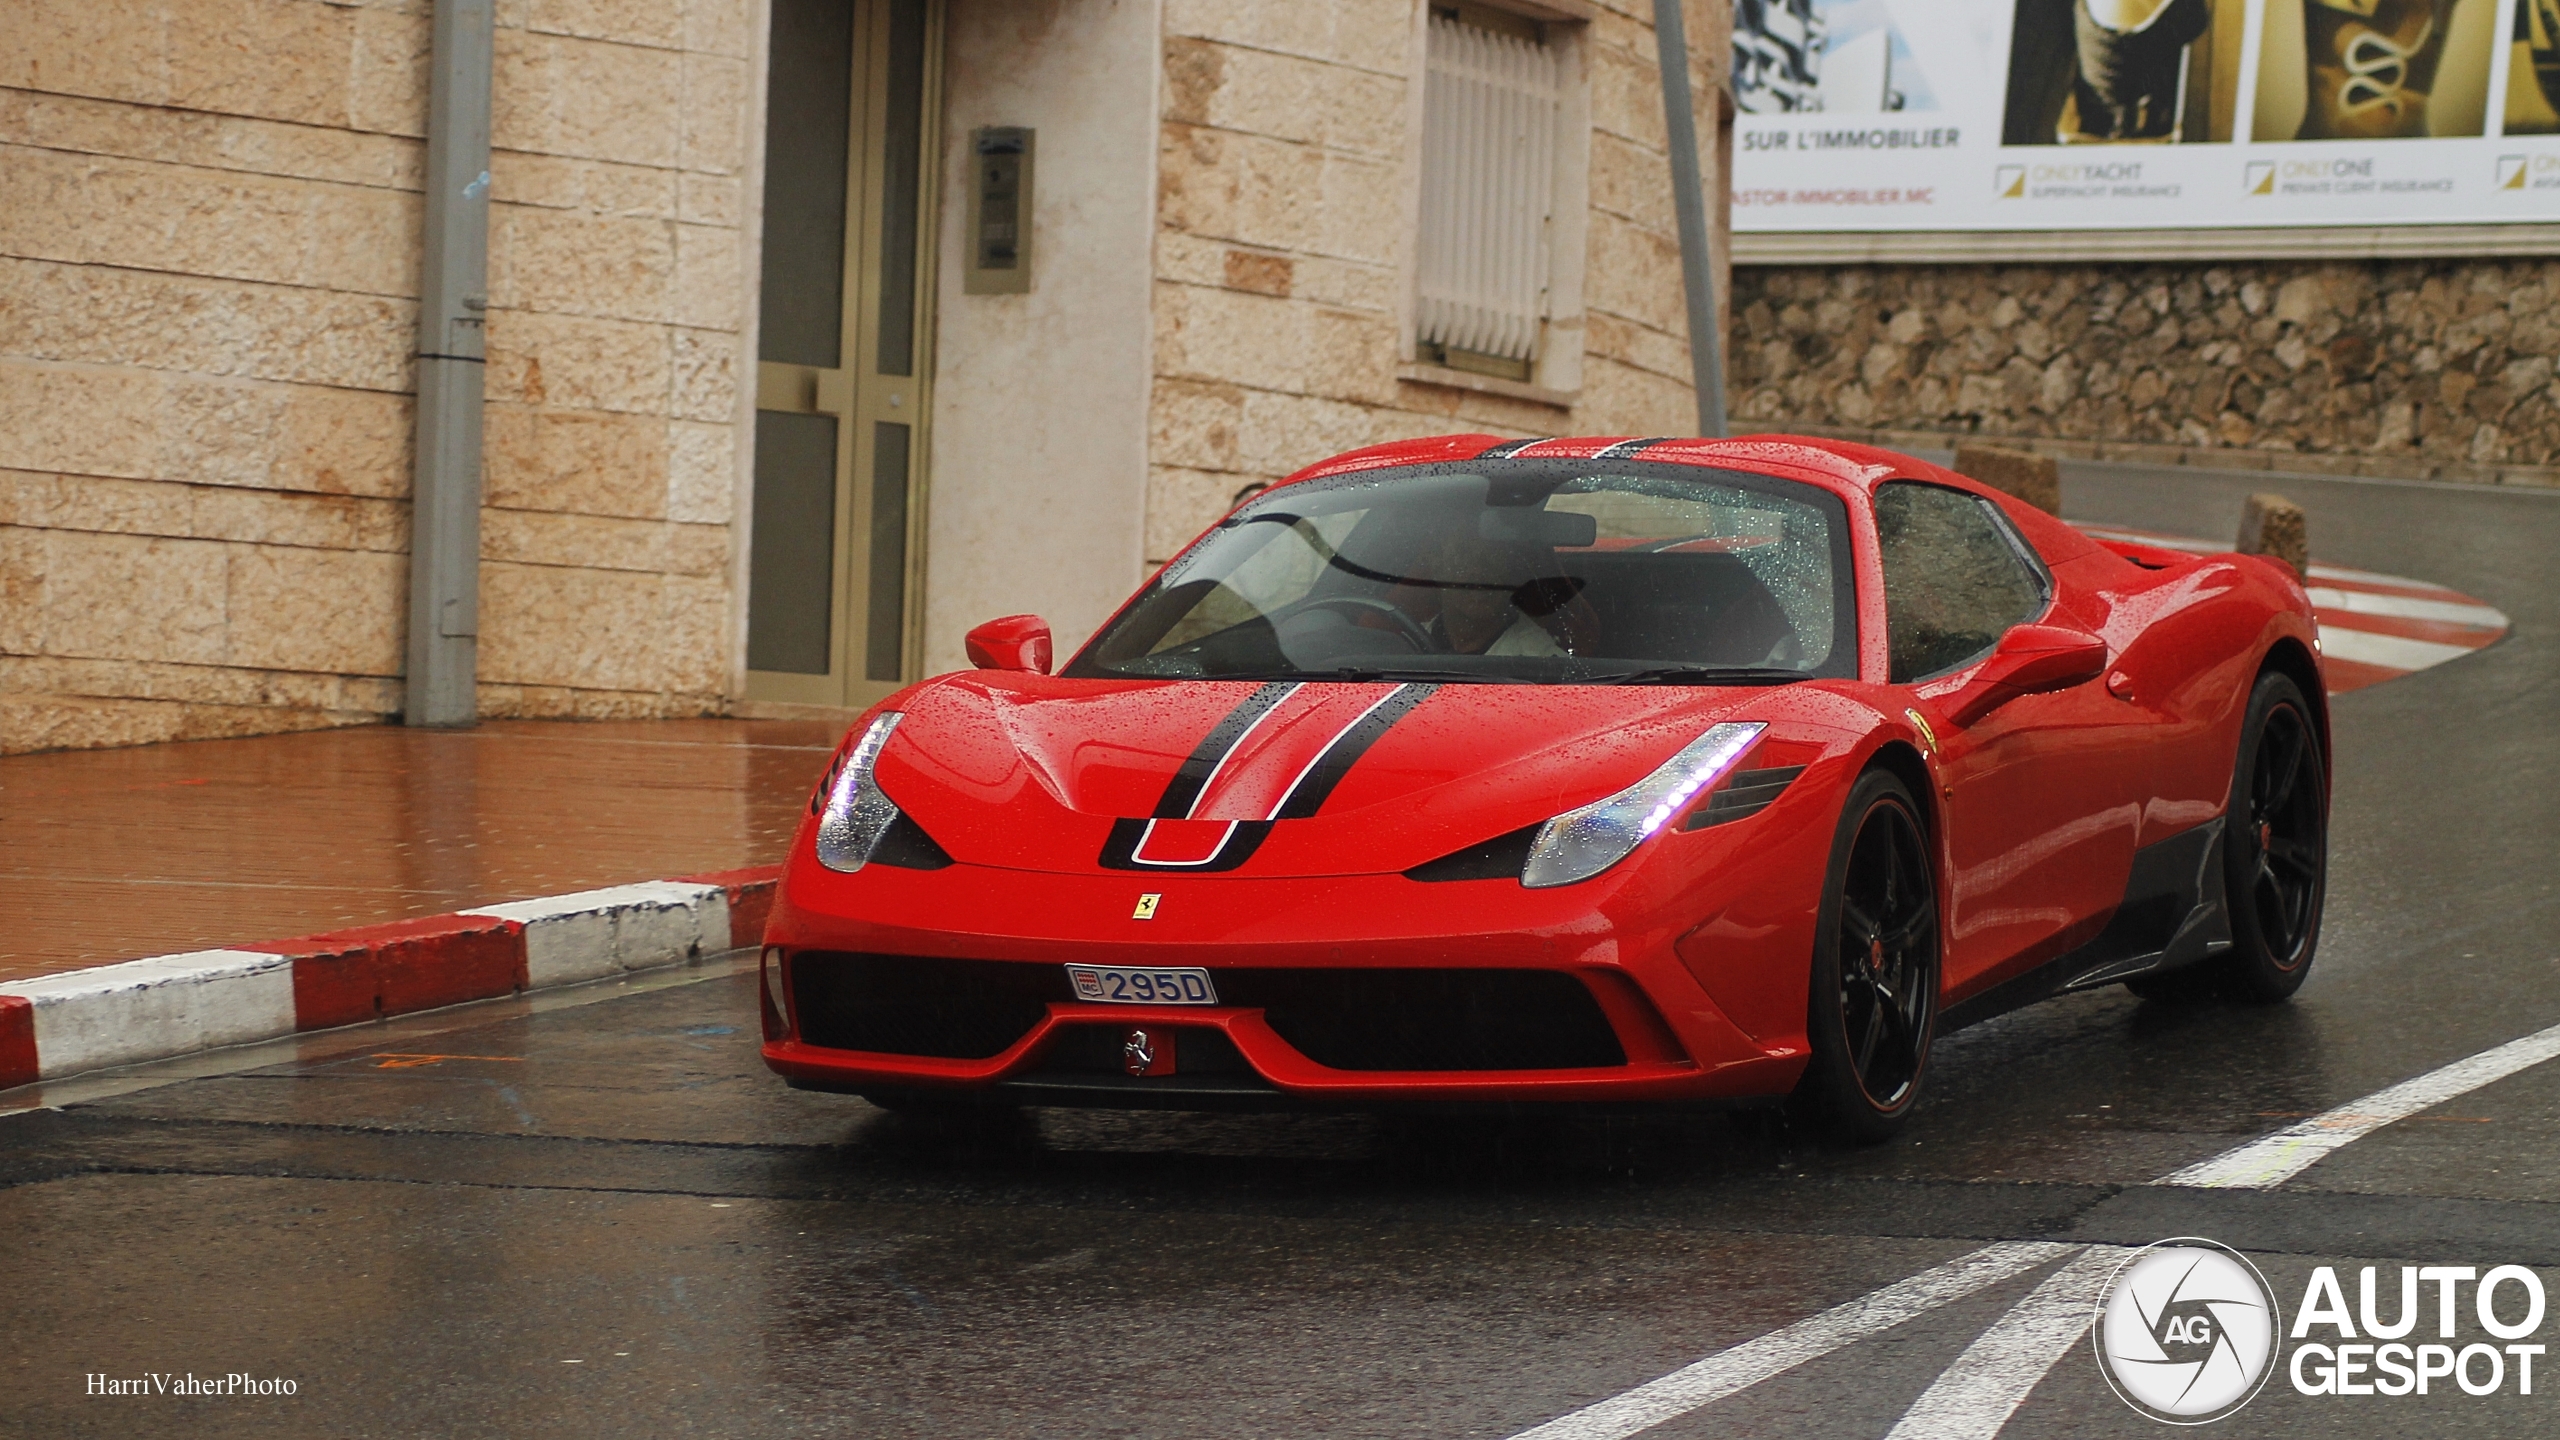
pixel 1748 795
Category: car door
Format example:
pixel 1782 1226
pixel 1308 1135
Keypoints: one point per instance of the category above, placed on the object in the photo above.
pixel 2039 794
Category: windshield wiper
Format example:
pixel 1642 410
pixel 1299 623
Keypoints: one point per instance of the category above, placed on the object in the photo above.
pixel 1705 675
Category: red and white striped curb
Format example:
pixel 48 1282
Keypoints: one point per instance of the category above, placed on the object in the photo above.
pixel 172 1005
pixel 2372 627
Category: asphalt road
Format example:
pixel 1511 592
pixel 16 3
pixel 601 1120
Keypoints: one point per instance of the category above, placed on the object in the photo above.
pixel 596 1214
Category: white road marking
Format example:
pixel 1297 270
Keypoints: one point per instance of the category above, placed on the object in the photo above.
pixel 1779 1351
pixel 2009 1369
pixel 2395 652
pixel 1996 1374
pixel 2272 1160
pixel 2405 607
pixel 1992 1378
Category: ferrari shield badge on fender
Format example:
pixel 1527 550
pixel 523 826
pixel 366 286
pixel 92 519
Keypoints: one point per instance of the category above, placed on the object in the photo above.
pixel 1146 907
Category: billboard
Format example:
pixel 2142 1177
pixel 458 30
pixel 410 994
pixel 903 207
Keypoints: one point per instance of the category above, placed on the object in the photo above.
pixel 2009 115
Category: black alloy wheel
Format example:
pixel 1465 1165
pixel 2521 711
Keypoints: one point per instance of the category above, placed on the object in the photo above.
pixel 2275 846
pixel 2275 858
pixel 1874 1005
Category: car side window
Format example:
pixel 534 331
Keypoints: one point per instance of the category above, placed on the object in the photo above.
pixel 1956 577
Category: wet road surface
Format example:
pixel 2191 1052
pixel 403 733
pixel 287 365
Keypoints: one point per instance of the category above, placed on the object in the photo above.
pixel 595 1214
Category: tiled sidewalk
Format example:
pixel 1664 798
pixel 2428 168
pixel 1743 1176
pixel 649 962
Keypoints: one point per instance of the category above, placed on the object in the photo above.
pixel 106 855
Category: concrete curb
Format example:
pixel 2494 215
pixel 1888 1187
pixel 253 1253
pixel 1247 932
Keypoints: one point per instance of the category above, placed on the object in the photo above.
pixel 171 1005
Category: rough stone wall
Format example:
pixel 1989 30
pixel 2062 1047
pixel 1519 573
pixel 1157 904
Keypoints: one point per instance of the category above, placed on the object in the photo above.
pixel 1280 294
pixel 2411 369
pixel 209 229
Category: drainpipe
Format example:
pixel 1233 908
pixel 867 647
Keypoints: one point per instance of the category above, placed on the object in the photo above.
pixel 453 303
pixel 1689 198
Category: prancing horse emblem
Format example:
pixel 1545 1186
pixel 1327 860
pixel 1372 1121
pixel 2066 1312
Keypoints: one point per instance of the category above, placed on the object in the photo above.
pixel 1146 907
pixel 1138 1053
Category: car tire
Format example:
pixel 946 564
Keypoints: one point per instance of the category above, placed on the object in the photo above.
pixel 1873 1010
pixel 2275 846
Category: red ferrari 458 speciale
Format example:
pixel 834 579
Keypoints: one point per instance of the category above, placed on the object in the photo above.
pixel 1569 770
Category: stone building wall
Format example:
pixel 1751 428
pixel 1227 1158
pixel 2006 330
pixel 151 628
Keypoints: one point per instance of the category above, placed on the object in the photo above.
pixel 2404 368
pixel 209 230
pixel 1281 284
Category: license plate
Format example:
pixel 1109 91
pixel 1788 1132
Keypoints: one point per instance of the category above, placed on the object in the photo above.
pixel 1133 985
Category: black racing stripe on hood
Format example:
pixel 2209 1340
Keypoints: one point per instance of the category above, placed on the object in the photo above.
pixel 1509 448
pixel 1184 791
pixel 1347 749
pixel 1629 449
pixel 1120 849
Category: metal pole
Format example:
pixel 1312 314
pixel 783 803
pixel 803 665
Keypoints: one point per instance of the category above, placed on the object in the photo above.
pixel 453 303
pixel 1689 198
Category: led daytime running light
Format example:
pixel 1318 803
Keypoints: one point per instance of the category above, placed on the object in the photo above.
pixel 1581 843
pixel 857 812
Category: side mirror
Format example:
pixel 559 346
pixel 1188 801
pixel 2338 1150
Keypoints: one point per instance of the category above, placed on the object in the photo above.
pixel 1016 642
pixel 2032 660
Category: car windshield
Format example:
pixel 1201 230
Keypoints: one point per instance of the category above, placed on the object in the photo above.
pixel 1526 571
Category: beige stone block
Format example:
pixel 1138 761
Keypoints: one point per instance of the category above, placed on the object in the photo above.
pixel 90 502
pixel 701 551
pixel 1268 344
pixel 563 96
pixel 532 537
pixel 83 419
pixel 574 362
pixel 22 572
pixel 280 59
pixel 198 684
pixel 2036 479
pixel 715 113
pixel 1194 425
pixel 720 27
pixel 567 263
pixel 321 610
pixel 1279 195
pixel 553 182
pixel 1283 96
pixel 112 49
pixel 1279 433
pixel 658 23
pixel 702 472
pixel 709 279
pixel 345 442
pixel 387 85
pixel 1361 34
pixel 133 598
pixel 157 216
pixel 216 432
pixel 576 628
pixel 705 363
pixel 99 315
pixel 215 142
pixel 709 200
pixel 31 724
pixel 696 638
pixel 1641 346
pixel 1626 98
pixel 1635 274
pixel 1632 182
pixel 573 461
pixel 270 517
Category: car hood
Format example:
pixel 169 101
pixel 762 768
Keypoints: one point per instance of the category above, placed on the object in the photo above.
pixel 1035 772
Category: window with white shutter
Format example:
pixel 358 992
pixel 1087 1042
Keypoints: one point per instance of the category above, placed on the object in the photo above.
pixel 1493 127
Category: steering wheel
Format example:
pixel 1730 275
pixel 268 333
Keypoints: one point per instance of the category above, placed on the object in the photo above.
pixel 1355 605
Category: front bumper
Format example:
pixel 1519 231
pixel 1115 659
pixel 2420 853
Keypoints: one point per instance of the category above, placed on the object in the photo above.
pixel 1450 973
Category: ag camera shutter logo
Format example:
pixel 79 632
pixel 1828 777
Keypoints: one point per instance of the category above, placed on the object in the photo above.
pixel 2186 1331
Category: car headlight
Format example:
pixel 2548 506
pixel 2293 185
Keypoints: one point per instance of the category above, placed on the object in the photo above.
pixel 858 813
pixel 1581 843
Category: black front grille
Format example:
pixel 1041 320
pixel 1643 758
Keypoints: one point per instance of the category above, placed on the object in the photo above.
pixel 911 1005
pixel 1344 1019
pixel 1431 1019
